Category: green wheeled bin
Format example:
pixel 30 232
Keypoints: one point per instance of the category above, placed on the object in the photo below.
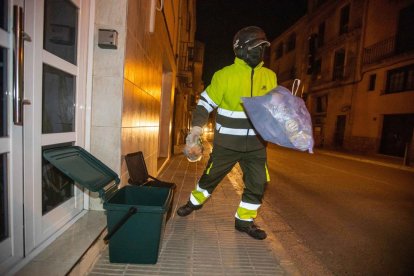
pixel 136 215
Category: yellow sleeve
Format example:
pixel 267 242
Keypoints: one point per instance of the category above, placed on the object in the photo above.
pixel 216 88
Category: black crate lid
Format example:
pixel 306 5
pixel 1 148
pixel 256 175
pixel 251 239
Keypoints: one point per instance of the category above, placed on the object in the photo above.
pixel 82 167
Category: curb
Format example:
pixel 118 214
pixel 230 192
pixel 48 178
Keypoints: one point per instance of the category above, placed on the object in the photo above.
pixel 366 160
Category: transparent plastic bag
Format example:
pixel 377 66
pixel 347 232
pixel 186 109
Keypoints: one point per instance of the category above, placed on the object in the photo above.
pixel 281 118
pixel 193 150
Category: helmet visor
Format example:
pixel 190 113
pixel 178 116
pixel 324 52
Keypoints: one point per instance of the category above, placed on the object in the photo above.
pixel 257 42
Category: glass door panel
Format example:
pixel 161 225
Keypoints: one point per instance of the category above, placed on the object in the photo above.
pixel 4 14
pixel 56 86
pixel 61 29
pixel 56 187
pixel 4 198
pixel 59 99
pixel 58 103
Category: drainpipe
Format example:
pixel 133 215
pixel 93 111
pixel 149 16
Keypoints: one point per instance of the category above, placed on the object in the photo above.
pixel 356 79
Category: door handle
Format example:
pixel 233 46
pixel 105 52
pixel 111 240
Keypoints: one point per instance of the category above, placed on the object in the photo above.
pixel 18 63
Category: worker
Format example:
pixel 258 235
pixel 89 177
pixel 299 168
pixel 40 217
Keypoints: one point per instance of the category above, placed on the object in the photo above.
pixel 235 140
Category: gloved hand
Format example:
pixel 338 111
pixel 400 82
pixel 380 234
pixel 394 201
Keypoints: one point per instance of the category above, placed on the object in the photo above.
pixel 193 149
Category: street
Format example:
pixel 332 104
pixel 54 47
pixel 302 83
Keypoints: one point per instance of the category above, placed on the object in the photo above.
pixel 338 216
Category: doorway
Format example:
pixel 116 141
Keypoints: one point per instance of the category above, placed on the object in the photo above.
pixel 165 127
pixel 339 131
pixel 45 69
pixel 397 133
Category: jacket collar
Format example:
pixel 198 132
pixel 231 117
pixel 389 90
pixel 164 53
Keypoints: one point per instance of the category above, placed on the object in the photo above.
pixel 241 62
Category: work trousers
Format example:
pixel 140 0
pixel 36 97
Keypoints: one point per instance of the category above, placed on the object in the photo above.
pixel 255 176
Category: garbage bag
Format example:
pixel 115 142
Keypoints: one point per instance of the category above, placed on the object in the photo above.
pixel 281 118
pixel 193 150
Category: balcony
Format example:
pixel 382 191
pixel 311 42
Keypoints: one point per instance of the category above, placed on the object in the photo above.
pixel 392 46
pixel 379 51
pixel 186 58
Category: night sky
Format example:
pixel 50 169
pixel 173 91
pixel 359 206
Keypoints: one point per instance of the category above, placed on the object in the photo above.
pixel 219 20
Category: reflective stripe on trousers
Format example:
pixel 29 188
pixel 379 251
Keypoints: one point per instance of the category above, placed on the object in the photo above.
pixel 247 211
pixel 199 195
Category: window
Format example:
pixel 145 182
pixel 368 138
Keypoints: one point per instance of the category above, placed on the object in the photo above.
pixel 321 104
pixel 189 22
pixel 339 65
pixel 279 50
pixel 316 72
pixel 400 79
pixel 344 20
pixel 405 34
pixel 291 42
pixel 311 55
pixel 321 34
pixel 372 80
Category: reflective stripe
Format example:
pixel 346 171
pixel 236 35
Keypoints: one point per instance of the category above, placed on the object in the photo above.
pixel 235 131
pixel 208 99
pixel 232 114
pixel 209 168
pixel 247 211
pixel 249 206
pixel 267 174
pixel 205 105
pixel 193 200
pixel 199 195
pixel 204 191
pixel 241 214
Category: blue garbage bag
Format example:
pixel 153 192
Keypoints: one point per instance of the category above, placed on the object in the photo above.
pixel 281 118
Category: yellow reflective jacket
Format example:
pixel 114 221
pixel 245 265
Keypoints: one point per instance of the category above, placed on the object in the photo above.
pixel 233 129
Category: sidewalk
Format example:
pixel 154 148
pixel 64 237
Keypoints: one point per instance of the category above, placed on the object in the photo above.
pixel 205 242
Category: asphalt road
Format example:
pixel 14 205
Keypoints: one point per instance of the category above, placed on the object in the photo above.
pixel 341 217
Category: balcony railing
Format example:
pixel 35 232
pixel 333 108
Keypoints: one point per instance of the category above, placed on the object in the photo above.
pixel 186 57
pixel 379 51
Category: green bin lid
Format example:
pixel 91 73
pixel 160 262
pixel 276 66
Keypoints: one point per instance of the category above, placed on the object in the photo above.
pixel 81 166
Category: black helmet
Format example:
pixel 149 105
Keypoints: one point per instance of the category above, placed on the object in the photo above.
pixel 247 39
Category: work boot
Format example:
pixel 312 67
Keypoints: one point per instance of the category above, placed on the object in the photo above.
pixel 252 230
pixel 187 209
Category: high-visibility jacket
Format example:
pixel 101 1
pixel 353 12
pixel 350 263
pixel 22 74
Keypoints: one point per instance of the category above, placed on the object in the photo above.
pixel 233 129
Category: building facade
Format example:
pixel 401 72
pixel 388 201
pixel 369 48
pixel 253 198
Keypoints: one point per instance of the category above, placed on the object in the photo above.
pixel 104 75
pixel 354 59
